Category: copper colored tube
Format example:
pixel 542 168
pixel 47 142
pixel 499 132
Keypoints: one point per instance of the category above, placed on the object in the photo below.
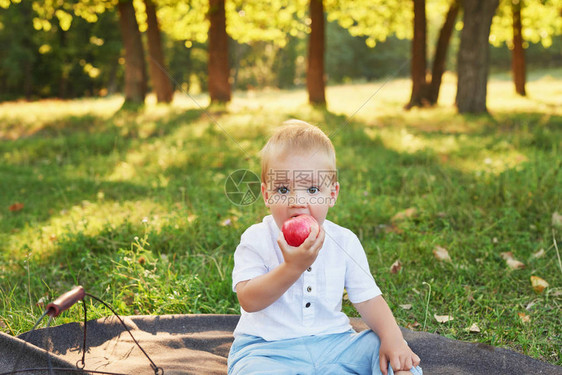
pixel 65 301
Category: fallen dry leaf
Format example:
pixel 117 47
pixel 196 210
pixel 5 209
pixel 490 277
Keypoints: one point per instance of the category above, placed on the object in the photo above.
pixel 512 263
pixel 393 229
pixel 413 325
pixel 406 214
pixel 443 318
pixel 524 317
pixel 530 305
pixel 539 254
pixel 474 328
pixel 556 220
pixel 41 302
pixel 538 284
pixel 406 306
pixel 396 267
pixel 16 207
pixel 507 255
pixel 441 254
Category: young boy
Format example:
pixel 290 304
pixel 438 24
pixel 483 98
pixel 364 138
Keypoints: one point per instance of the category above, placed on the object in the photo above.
pixel 291 297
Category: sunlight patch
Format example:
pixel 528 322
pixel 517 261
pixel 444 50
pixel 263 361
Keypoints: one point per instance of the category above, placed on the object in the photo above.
pixel 405 142
pixel 87 218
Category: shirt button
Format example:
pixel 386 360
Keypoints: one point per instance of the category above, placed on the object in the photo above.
pixel 309 289
pixel 307 304
pixel 309 269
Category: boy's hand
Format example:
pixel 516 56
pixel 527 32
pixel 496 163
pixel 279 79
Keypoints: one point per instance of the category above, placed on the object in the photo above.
pixel 303 256
pixel 398 353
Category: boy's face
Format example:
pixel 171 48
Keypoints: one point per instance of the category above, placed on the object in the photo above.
pixel 300 184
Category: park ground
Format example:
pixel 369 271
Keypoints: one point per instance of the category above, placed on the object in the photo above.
pixel 459 214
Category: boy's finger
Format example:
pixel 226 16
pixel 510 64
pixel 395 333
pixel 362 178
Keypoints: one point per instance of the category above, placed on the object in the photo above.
pixel 312 237
pixel 320 236
pixel 383 363
pixel 416 360
pixel 283 245
pixel 395 363
pixel 408 363
pixel 316 246
pixel 314 231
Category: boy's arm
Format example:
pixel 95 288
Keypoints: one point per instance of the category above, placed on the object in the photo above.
pixel 260 292
pixel 378 316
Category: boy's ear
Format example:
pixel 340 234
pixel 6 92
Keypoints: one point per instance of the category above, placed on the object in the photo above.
pixel 265 194
pixel 334 192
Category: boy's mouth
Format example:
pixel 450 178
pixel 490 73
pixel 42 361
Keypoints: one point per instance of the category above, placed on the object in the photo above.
pixel 295 215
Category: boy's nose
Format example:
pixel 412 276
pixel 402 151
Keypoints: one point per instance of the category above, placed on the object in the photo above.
pixel 297 198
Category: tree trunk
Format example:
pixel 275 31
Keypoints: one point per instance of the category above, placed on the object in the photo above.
pixel 473 56
pixel 135 70
pixel 219 85
pixel 64 67
pixel 28 48
pixel 419 55
pixel 441 52
pixel 160 81
pixel 518 53
pixel 315 70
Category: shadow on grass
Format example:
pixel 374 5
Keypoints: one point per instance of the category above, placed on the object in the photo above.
pixel 64 164
pixel 46 196
pixel 123 122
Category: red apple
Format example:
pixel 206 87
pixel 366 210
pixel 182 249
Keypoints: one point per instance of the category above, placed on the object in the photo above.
pixel 298 228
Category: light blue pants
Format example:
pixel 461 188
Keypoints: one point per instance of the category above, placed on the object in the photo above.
pixel 336 354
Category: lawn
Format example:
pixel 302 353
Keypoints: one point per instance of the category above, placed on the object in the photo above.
pixel 132 205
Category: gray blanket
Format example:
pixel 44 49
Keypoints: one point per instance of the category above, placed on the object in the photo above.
pixel 199 344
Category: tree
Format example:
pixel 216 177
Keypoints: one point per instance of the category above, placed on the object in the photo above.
pixel 135 70
pixel 518 53
pixel 473 56
pixel 219 71
pixel 519 22
pixel 315 68
pixel 379 19
pixel 249 21
pixel 49 50
pixel 424 92
pixel 162 84
pixel 17 55
pixel 441 52
pixel 419 55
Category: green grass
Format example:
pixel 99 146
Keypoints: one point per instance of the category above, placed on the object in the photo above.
pixel 131 205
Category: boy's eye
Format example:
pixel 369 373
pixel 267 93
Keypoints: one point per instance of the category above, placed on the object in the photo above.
pixel 313 190
pixel 282 190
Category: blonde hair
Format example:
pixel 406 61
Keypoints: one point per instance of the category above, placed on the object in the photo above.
pixel 296 136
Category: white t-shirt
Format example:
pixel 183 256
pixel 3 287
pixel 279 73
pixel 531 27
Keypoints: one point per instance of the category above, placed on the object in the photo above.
pixel 312 305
